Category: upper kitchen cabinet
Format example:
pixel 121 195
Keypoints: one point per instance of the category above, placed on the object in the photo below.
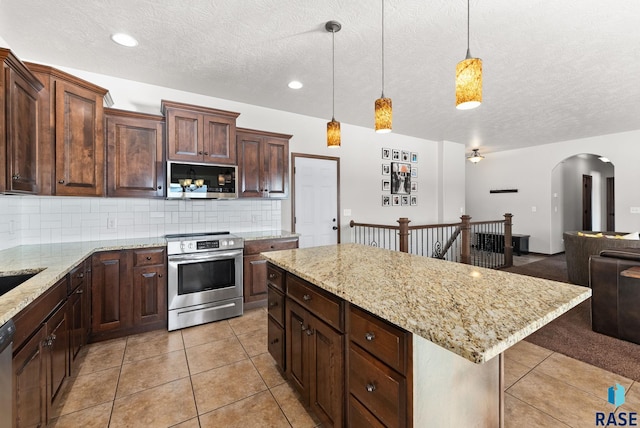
pixel 200 134
pixel 263 164
pixel 72 133
pixel 135 148
pixel 18 126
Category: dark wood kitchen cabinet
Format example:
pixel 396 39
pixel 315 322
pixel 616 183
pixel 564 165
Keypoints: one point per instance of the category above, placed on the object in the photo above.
pixel 200 134
pixel 315 347
pixel 135 154
pixel 19 161
pixel 128 291
pixel 263 164
pixel 79 310
pixel 255 267
pixel 72 133
pixel 276 342
pixel 41 356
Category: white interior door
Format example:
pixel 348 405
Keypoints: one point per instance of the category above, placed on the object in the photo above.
pixel 316 201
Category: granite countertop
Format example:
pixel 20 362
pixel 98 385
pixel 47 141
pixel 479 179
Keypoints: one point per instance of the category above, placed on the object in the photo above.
pixel 266 234
pixel 474 312
pixel 53 261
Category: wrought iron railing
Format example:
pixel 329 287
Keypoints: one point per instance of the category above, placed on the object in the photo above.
pixel 479 243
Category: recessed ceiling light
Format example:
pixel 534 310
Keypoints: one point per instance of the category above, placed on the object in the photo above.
pixel 124 40
pixel 603 159
pixel 294 84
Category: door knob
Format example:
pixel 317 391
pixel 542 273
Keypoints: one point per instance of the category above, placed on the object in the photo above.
pixel 335 227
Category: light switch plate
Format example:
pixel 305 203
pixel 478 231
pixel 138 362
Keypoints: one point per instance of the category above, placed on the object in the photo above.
pixel 635 210
pixel 346 212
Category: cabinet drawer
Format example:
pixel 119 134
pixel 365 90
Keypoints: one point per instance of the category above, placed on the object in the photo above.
pixel 264 245
pixel 275 305
pixel 275 277
pixel 275 343
pixel 153 256
pixel 76 277
pixel 385 341
pixel 378 388
pixel 359 416
pixel 322 305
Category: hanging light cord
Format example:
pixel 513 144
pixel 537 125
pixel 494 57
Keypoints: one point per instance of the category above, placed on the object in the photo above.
pixel 333 73
pixel 382 49
pixel 468 20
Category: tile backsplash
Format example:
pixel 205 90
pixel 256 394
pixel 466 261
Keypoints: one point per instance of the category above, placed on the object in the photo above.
pixel 28 220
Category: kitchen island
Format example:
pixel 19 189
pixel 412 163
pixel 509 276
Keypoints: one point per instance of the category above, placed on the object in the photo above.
pixel 460 319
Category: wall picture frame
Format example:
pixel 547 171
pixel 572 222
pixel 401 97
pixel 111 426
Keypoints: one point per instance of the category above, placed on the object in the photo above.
pixel 404 200
pixel 395 199
pixel 414 200
pixel 386 200
pixel 406 156
pixel 414 157
pixel 414 186
pixel 400 178
pixel 386 153
pixel 395 154
pixel 386 169
pixel 414 172
pixel 386 184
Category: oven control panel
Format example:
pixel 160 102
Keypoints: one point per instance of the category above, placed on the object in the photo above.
pixel 207 245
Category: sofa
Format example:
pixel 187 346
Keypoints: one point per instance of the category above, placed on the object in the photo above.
pixel 615 300
pixel 579 246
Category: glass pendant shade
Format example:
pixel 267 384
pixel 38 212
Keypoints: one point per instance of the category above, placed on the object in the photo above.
pixel 384 115
pixel 333 133
pixel 475 157
pixel 469 83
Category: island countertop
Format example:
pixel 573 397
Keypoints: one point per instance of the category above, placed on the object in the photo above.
pixel 474 312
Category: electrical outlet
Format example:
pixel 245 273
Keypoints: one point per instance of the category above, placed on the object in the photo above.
pixel 534 209
pixel 347 212
pixel 111 223
pixel 635 210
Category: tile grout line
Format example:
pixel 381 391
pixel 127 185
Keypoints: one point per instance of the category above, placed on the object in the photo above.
pixel 541 411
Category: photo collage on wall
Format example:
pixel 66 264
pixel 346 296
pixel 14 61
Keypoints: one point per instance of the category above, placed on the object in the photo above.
pixel 399 177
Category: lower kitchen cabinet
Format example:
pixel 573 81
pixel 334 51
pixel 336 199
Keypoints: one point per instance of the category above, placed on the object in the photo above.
pixel 29 382
pixel 79 310
pixel 315 359
pixel 255 267
pixel 129 292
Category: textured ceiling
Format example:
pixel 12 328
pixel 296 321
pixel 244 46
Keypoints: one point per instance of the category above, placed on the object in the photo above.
pixel 553 70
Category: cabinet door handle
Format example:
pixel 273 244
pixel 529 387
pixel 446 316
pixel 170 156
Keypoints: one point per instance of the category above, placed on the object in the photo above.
pixel 16 176
pixel 369 336
pixel 206 153
pixel 302 327
pixel 159 188
pixel 79 291
pixel 309 331
pixel 274 341
pixel 81 275
pixel 61 181
pixel 159 275
pixel 272 275
pixel 370 387
pixel 273 304
pixel 306 297
pixel 148 257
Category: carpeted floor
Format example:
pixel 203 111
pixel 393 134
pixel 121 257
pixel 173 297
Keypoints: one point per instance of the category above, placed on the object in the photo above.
pixel 571 333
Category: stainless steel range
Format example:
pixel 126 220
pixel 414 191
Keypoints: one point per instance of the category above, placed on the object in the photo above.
pixel 204 278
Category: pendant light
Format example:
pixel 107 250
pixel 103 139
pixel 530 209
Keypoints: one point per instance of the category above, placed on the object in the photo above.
pixel 468 78
pixel 333 127
pixel 383 110
pixel 475 156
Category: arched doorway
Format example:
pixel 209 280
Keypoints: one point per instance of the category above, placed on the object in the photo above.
pixel 582 196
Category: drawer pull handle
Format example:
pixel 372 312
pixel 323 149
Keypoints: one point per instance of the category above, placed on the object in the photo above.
pixel 309 331
pixel 272 276
pixel 79 291
pixel 148 257
pixel 370 387
pixel 273 304
pixel 159 275
pixel 306 297
pixel 369 336
pixel 81 275
pixel 302 327
pixel 274 341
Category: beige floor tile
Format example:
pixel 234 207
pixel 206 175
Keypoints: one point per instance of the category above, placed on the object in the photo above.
pixel 150 344
pixel 225 385
pixel 254 343
pixel 163 405
pixel 257 411
pixel 564 402
pixel 205 333
pixel 255 319
pixel 527 353
pixel 154 371
pixel 191 423
pixel 93 417
pixel 591 379
pixel 518 414
pixel 513 371
pixel 266 366
pixel 86 391
pixel 100 356
pixel 289 401
pixel 632 400
pixel 215 354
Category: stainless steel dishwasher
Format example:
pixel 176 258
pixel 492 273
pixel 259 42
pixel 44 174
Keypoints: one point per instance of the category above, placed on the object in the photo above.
pixel 6 373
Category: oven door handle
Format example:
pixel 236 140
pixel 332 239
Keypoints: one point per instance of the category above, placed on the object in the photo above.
pixel 199 257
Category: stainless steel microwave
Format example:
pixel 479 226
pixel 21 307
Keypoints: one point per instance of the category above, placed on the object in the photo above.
pixel 201 181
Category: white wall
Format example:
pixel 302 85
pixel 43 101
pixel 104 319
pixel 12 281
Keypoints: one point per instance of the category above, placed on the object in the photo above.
pixel 530 171
pixel 360 154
